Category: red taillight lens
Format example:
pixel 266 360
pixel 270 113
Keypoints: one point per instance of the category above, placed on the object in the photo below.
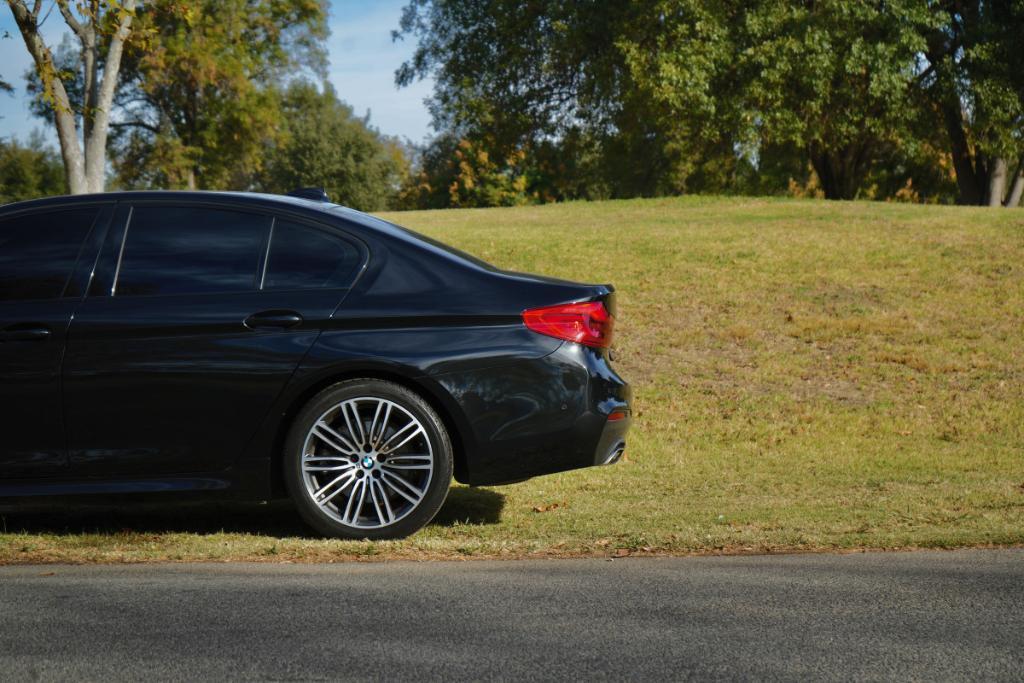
pixel 585 323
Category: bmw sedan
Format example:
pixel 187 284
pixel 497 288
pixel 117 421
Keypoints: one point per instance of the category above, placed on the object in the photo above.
pixel 258 346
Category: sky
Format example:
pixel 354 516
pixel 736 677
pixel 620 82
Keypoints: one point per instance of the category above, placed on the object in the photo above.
pixel 363 59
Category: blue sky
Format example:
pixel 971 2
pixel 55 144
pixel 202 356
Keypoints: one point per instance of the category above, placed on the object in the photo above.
pixel 363 62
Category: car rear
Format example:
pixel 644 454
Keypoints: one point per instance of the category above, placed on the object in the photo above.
pixel 521 363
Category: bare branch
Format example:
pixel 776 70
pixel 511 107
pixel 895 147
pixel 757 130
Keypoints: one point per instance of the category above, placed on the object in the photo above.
pixel 135 124
pixel 72 21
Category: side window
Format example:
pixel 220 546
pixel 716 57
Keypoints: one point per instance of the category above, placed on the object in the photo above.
pixel 190 250
pixel 38 252
pixel 304 258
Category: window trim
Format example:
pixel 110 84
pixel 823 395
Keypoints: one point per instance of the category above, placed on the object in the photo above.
pixel 213 206
pixel 99 224
pixel 117 230
pixel 362 254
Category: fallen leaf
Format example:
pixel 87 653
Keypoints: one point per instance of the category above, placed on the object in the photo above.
pixel 48 574
pixel 550 507
pixel 603 542
pixel 622 552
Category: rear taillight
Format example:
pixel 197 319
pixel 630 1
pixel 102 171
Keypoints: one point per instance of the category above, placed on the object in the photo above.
pixel 584 323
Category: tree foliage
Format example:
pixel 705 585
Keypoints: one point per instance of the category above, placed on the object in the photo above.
pixel 973 81
pixel 513 76
pixel 830 77
pixel 324 144
pixel 685 95
pixel 29 170
pixel 199 101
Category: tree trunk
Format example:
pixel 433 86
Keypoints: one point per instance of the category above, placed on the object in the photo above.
pixel 823 168
pixel 96 141
pixel 1013 200
pixel 967 180
pixel 84 168
pixel 63 116
pixel 838 172
pixel 996 182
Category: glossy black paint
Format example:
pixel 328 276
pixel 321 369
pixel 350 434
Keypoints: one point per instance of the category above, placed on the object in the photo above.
pixel 194 392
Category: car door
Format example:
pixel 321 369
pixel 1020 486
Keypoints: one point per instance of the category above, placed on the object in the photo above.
pixel 38 252
pixel 191 332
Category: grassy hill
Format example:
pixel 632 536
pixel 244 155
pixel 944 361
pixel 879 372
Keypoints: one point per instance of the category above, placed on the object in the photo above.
pixel 808 375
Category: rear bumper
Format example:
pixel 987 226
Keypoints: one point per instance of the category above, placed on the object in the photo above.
pixel 612 443
pixel 540 416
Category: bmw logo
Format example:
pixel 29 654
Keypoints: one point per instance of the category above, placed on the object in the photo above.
pixel 367 462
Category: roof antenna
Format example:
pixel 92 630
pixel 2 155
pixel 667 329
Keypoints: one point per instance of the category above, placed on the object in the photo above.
pixel 317 194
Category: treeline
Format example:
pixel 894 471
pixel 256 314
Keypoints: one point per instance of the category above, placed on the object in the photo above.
pixel 562 99
pixel 541 101
pixel 210 94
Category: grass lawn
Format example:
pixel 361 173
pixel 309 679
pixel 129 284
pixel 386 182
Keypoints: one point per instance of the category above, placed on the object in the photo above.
pixel 808 376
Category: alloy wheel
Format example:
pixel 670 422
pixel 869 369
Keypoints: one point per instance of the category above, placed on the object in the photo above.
pixel 367 462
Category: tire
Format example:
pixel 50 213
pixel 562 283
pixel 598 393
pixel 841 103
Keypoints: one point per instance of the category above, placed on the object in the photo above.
pixel 384 475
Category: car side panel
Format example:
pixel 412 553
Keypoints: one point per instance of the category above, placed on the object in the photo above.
pixel 173 386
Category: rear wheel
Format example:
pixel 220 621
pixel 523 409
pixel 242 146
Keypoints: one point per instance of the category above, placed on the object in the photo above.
pixel 368 458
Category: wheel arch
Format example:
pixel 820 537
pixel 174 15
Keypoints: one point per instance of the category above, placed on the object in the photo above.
pixel 431 392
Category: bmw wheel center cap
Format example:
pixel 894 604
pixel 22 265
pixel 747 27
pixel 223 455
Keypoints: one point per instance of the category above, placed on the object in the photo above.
pixel 367 462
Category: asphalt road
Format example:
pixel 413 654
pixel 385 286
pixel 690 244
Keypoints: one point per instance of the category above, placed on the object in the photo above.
pixel 925 615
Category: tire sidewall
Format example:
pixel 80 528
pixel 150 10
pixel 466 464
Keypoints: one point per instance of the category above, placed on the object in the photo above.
pixel 440 480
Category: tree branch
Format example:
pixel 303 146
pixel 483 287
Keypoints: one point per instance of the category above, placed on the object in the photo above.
pixel 69 18
pixel 135 124
pixel 53 87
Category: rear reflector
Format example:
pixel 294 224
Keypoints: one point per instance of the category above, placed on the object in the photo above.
pixel 586 323
pixel 616 416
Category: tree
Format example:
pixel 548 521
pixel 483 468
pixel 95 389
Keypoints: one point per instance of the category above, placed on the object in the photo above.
pixel 831 77
pixel 675 94
pixel 29 171
pixel 462 174
pixel 683 95
pixel 200 101
pixel 511 77
pixel 324 144
pixel 102 29
pixel 973 82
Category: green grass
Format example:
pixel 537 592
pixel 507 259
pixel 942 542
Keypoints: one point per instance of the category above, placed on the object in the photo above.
pixel 807 376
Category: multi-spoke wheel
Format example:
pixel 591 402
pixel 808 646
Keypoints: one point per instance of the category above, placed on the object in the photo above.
pixel 368 459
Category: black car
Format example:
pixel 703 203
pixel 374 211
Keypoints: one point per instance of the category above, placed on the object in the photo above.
pixel 257 345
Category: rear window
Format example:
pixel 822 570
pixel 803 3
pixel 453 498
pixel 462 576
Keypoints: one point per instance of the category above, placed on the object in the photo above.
pixel 38 252
pixel 305 258
pixel 191 250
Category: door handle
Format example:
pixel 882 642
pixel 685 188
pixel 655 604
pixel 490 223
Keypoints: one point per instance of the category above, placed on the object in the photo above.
pixel 278 319
pixel 24 334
